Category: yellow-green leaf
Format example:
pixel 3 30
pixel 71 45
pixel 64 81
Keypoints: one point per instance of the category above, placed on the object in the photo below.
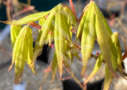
pixel 29 48
pixel 41 39
pixel 14 33
pixel 19 54
pixel 54 66
pixel 96 68
pixel 88 38
pixel 28 19
pixel 103 41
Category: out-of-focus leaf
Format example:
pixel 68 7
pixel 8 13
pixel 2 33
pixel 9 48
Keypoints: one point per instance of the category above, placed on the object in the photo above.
pixel 81 24
pixel 103 38
pixel 43 33
pixel 114 57
pixel 14 33
pixel 29 49
pixel 71 18
pixel 108 77
pixel 42 21
pixel 88 37
pixel 61 42
pixel 54 66
pixel 96 68
pixel 19 54
pixel 108 29
pixel 28 19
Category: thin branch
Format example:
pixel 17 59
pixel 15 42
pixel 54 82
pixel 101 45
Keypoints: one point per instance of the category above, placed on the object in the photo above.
pixel 35 25
pixel 4 51
pixel 29 2
pixel 77 81
pixel 23 11
pixel 72 7
pixel 43 80
pixel 8 10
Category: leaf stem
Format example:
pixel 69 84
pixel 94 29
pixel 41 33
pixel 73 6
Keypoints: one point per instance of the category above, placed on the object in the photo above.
pixel 72 7
pixel 77 81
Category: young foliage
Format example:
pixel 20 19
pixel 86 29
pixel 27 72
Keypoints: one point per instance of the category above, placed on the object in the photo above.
pixel 22 52
pixel 56 25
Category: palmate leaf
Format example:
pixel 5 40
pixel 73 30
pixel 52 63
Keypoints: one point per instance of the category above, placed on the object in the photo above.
pixel 108 78
pixel 43 33
pixel 22 51
pixel 28 19
pixel 29 49
pixel 96 67
pixel 114 57
pixel 42 21
pixel 14 33
pixel 19 54
pixel 58 27
pixel 61 50
pixel 56 36
pixel 54 66
pixel 81 24
pixel 108 29
pixel 103 38
pixel 19 61
pixel 88 37
pixel 70 17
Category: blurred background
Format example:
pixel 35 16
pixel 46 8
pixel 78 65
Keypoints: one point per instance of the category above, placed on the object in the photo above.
pixel 115 12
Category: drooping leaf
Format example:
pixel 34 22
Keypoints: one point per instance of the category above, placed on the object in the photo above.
pixel 81 24
pixel 54 66
pixel 101 16
pixel 103 38
pixel 61 42
pixel 19 54
pixel 28 19
pixel 108 78
pixel 14 33
pixel 29 49
pixel 43 33
pixel 70 16
pixel 56 36
pixel 88 37
pixel 114 56
pixel 67 23
pixel 96 67
pixel 42 21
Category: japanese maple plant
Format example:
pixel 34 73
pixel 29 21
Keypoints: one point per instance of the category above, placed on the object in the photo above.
pixel 57 25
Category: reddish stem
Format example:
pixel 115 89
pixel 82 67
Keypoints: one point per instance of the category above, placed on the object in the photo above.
pixel 72 7
pixel 124 56
pixel 35 25
pixel 97 53
pixel 24 10
pixel 52 46
pixel 47 70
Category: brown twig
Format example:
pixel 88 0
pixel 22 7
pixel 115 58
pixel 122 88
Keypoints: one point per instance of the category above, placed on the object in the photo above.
pixel 26 5
pixel 29 2
pixel 123 27
pixel 77 81
pixel 8 11
pixel 43 80
pixel 66 78
pixel 4 51
pixel 23 11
